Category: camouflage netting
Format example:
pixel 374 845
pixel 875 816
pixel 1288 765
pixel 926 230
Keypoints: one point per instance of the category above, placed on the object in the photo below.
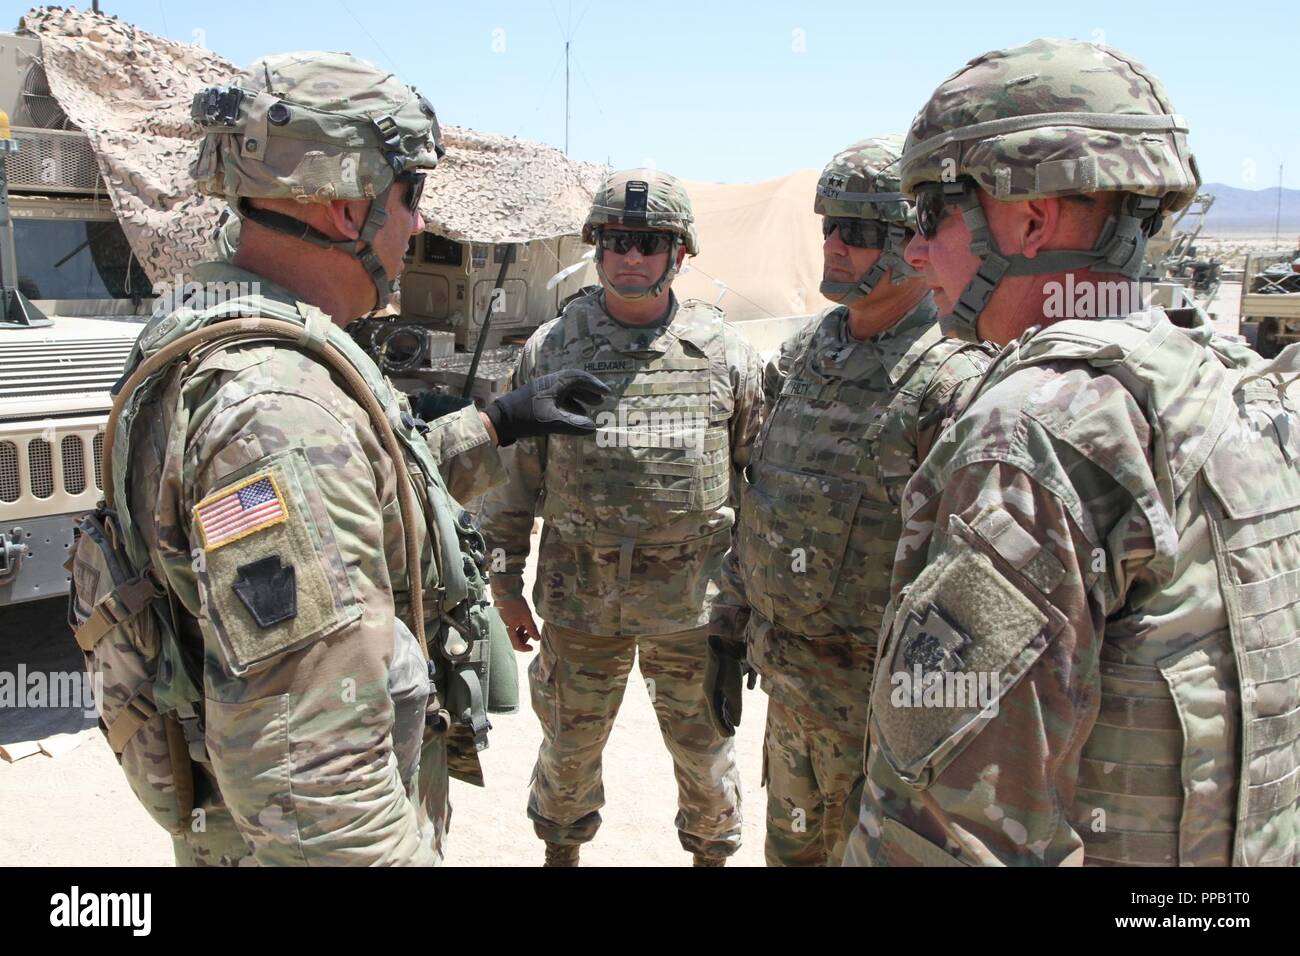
pixel 130 91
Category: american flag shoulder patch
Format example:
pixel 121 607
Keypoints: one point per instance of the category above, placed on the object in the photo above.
pixel 236 512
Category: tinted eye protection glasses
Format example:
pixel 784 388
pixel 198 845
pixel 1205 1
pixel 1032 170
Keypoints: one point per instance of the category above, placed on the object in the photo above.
pixel 860 233
pixel 646 243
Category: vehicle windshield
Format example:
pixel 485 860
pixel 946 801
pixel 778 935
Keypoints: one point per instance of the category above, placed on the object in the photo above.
pixel 77 259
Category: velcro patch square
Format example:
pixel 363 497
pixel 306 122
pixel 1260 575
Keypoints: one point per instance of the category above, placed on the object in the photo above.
pixel 236 512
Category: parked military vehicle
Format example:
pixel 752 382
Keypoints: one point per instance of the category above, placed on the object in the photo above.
pixel 75 298
pixel 1270 301
pixel 1172 256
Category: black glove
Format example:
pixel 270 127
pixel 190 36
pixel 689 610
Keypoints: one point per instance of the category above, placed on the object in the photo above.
pixel 723 676
pixel 555 404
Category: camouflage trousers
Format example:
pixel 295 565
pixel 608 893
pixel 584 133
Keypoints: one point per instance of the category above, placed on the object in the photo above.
pixel 814 775
pixel 577 682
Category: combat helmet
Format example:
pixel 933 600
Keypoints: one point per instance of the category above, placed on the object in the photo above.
pixel 1050 118
pixel 316 127
pixel 861 182
pixel 648 198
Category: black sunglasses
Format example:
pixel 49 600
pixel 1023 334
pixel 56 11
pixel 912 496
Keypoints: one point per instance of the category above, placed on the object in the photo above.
pixel 646 243
pixel 931 208
pixel 859 233
pixel 415 189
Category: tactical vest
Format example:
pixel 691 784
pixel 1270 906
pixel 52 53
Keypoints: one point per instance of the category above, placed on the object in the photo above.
pixel 126 622
pixel 662 450
pixel 821 516
pixel 1219 713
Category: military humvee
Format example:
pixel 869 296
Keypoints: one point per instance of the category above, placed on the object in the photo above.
pixel 57 364
pixel 1270 300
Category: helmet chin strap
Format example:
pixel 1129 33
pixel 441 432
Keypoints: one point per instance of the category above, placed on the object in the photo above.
pixel 636 292
pixel 362 248
pixel 891 257
pixel 1118 249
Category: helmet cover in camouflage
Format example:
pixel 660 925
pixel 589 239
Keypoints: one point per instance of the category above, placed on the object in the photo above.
pixel 861 182
pixel 649 199
pixel 1050 118
pixel 667 206
pixel 1053 118
pixel 315 127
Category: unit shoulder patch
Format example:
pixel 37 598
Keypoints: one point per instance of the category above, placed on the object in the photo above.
pixel 268 589
pixel 932 642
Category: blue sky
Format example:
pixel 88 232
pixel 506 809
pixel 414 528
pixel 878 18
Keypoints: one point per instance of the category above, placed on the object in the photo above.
pixel 737 92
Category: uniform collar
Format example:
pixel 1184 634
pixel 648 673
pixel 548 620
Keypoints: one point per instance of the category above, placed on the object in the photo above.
pixel 679 324
pixel 224 272
pixel 907 340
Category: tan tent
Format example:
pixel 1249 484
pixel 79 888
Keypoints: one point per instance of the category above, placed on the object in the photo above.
pixel 761 243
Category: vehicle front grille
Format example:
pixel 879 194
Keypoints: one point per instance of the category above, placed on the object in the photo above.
pixel 43 469
pixel 9 484
pixel 99 460
pixel 74 465
pixel 54 161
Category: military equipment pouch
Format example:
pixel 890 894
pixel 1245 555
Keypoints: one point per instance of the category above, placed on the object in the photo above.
pixel 113 614
pixel 794 531
pixel 1255 527
pixel 410 689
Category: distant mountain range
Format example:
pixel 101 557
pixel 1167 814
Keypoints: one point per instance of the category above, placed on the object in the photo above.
pixel 1250 211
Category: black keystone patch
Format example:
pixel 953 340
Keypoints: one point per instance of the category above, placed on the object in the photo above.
pixel 269 590
pixel 932 641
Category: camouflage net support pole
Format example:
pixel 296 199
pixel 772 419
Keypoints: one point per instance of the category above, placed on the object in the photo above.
pixel 508 258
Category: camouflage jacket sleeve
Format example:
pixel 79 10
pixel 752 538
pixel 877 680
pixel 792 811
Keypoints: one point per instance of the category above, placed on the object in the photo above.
pixel 283 494
pixel 509 510
pixel 1015 549
pixel 469 460
pixel 730 609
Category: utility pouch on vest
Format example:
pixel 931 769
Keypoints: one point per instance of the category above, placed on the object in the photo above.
pixel 112 614
pixel 1252 495
pixel 463 649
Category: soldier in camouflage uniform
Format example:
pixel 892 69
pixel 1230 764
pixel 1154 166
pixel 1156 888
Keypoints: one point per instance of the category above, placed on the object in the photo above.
pixel 854 402
pixel 267 516
pixel 637 519
pixel 1093 650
